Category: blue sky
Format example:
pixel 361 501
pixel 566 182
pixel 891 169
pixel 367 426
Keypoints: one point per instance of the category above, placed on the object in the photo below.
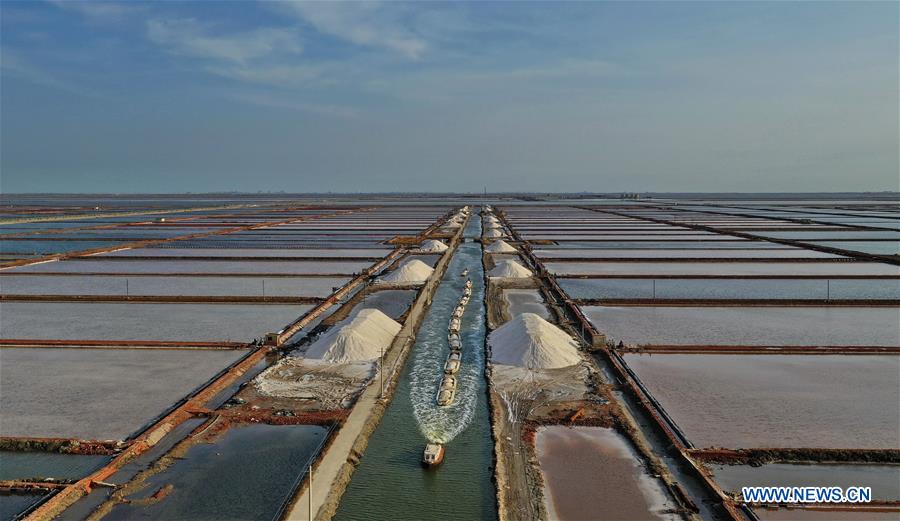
pixel 353 96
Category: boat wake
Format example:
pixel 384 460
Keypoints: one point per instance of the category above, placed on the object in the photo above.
pixel 442 424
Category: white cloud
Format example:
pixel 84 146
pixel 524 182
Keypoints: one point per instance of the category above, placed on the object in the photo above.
pixel 363 23
pixel 188 37
pixel 98 10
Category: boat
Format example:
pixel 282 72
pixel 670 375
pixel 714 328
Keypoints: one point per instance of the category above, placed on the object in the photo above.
pixel 455 355
pixel 455 345
pixel 433 454
pixel 451 366
pixel 469 283
pixel 453 336
pixel 464 272
pixel 449 382
pixel 445 397
pixel 454 325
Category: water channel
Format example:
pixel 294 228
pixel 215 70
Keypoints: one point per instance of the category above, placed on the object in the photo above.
pixel 390 482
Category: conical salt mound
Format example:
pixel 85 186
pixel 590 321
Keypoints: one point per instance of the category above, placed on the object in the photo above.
pixel 510 269
pixel 500 246
pixel 493 233
pixel 433 246
pixel 412 272
pixel 356 339
pixel 530 341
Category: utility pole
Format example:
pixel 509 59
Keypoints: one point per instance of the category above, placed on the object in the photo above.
pixel 264 287
pixel 126 288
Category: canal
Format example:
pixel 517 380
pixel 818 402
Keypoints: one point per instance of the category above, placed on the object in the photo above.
pixel 390 482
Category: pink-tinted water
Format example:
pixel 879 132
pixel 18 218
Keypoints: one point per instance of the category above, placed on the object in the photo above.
pixel 747 401
pixel 593 473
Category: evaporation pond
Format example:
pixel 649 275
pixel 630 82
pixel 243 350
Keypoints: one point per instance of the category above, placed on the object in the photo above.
pixel 12 504
pixel 246 474
pixel 391 302
pixel 97 393
pixel 723 268
pixel 164 265
pixel 525 301
pixel 730 288
pixel 169 286
pixel 749 325
pixel 753 401
pixel 574 489
pixel 39 465
pixel 143 321
pixel 884 479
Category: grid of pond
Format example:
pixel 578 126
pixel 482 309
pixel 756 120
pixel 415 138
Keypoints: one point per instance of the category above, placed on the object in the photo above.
pixel 749 325
pixel 144 321
pixel 41 465
pixel 785 400
pixel 165 265
pixel 97 394
pixel 169 286
pixel 883 479
pixel 724 253
pixel 874 289
pixel 246 474
pixel 249 252
pixel 723 268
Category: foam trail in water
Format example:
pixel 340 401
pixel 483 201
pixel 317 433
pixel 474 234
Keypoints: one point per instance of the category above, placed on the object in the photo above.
pixel 442 424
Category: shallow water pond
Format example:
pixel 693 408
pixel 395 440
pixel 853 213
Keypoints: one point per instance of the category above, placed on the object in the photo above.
pixel 575 487
pixel 749 325
pixel 246 474
pixel 751 401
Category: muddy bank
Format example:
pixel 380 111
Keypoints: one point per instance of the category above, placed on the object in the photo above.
pixel 61 445
pixel 758 457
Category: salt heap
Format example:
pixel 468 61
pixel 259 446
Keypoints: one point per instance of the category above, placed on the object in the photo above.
pixel 356 339
pixel 530 341
pixel 493 233
pixel 500 246
pixel 432 246
pixel 510 269
pixel 412 272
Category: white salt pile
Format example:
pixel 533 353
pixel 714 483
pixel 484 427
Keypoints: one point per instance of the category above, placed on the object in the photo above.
pixel 355 339
pixel 432 246
pixel 493 233
pixel 510 269
pixel 412 272
pixel 530 341
pixel 500 246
